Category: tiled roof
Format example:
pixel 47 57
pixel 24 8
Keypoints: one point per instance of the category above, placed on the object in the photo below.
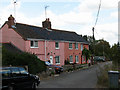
pixel 34 32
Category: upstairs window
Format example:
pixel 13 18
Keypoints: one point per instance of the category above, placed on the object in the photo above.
pixel 57 45
pixel 34 44
pixel 70 45
pixel 81 47
pixel 76 45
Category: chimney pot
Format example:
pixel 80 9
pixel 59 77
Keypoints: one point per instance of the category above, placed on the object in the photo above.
pixel 11 21
pixel 46 23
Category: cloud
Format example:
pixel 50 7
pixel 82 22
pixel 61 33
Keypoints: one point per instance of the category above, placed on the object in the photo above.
pixel 80 19
pixel 114 15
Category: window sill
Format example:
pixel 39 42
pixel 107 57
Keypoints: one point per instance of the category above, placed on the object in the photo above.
pixel 57 63
pixel 71 62
pixel 33 47
pixel 57 48
pixel 70 48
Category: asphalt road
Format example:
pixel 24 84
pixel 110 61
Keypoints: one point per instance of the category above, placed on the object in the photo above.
pixel 78 79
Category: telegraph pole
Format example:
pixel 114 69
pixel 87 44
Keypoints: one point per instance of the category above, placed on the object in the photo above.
pixel 93 41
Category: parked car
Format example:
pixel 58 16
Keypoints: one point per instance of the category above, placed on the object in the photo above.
pixel 14 78
pixel 58 69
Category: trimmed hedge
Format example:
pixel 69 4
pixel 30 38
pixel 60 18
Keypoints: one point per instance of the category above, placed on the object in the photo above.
pixel 34 64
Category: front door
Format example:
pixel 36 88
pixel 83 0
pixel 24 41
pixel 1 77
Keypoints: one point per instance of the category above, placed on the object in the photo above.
pixel 51 59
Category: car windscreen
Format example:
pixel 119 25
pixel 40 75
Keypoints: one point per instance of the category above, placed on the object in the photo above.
pixel 22 71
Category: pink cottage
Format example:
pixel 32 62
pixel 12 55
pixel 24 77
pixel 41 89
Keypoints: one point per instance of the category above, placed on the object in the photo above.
pixel 46 43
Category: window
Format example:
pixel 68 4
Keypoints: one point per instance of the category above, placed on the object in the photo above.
pixel 34 44
pixel 76 59
pixel 71 59
pixel 83 58
pixel 57 59
pixel 70 45
pixel 15 72
pixel 81 47
pixel 76 45
pixel 5 73
pixel 57 45
pixel 22 71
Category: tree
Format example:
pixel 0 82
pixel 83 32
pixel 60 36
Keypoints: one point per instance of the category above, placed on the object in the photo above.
pixel 102 48
pixel 86 53
pixel 115 54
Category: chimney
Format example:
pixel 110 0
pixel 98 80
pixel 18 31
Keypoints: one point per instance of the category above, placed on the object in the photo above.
pixel 46 24
pixel 11 21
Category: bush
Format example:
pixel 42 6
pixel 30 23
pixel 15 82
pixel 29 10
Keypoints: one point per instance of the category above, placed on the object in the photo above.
pixel 34 64
pixel 103 75
pixel 67 62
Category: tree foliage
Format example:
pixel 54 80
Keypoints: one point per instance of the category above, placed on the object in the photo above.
pixel 115 54
pixel 34 64
pixel 86 53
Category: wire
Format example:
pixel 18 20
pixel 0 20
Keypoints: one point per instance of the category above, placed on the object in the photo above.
pixel 97 14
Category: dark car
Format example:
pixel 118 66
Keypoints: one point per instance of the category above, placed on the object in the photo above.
pixel 58 69
pixel 14 78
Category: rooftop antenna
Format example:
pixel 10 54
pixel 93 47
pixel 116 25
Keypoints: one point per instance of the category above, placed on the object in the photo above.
pixel 46 11
pixel 15 2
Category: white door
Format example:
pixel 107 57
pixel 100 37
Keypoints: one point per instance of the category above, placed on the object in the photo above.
pixel 51 59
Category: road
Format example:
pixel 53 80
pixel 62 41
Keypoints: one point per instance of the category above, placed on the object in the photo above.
pixel 78 79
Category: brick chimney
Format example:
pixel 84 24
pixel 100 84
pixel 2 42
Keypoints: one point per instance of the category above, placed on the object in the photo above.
pixel 46 23
pixel 11 21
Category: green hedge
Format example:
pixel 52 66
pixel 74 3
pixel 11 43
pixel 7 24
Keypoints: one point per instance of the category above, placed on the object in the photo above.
pixel 34 64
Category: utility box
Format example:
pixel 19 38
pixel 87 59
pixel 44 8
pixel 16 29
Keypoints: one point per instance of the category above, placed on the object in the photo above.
pixel 113 77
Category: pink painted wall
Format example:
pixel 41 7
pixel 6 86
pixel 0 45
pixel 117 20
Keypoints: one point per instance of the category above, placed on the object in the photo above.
pixel 50 48
pixel 72 51
pixel 10 36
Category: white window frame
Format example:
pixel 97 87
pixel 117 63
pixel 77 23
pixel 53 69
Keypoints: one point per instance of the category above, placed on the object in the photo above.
pixel 34 44
pixel 81 47
pixel 70 47
pixel 83 58
pixel 58 45
pixel 58 59
pixel 76 45
pixel 71 57
pixel 77 59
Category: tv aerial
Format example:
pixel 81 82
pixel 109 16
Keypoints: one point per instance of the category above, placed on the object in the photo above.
pixel 15 3
pixel 46 11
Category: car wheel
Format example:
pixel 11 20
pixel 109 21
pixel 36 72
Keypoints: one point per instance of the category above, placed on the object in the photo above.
pixel 10 88
pixel 34 86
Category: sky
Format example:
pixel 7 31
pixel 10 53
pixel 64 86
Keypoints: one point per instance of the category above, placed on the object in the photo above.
pixel 70 15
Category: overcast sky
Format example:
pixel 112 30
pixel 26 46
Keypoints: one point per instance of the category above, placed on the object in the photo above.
pixel 71 15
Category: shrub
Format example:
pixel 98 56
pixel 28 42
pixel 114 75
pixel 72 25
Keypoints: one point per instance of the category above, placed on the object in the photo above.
pixel 103 76
pixel 34 64
pixel 67 62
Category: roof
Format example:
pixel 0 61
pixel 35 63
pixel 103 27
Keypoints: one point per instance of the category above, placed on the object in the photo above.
pixel 35 32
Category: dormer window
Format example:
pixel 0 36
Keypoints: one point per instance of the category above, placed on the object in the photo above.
pixel 34 44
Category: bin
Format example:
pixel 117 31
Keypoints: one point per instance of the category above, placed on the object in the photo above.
pixel 113 77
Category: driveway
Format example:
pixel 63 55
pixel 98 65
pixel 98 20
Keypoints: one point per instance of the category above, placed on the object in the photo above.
pixel 86 78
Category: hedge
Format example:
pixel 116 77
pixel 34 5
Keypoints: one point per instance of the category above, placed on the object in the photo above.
pixel 34 64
